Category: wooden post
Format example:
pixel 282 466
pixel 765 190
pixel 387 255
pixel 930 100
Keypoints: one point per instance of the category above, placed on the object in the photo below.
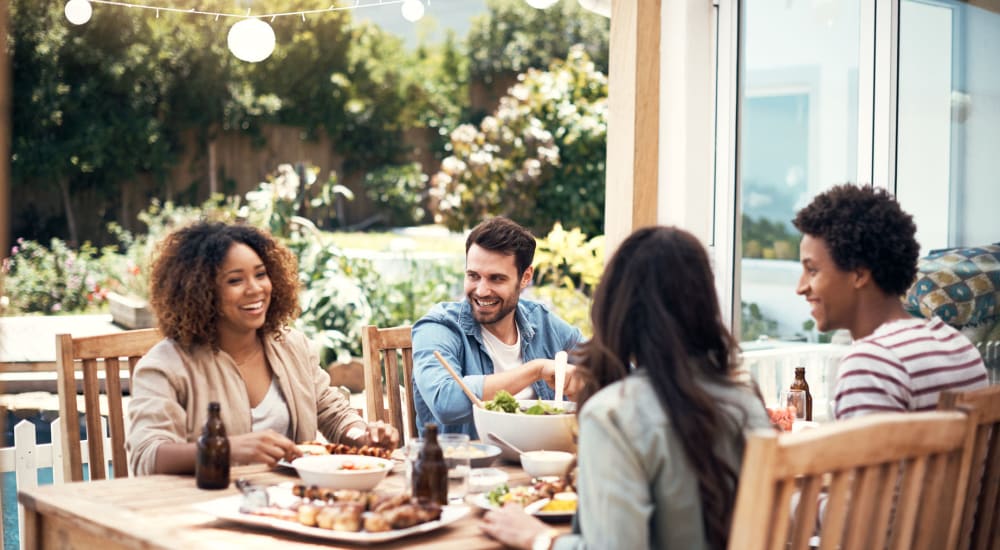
pixel 633 119
pixel 6 92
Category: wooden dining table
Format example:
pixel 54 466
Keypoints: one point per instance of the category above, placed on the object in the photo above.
pixel 157 512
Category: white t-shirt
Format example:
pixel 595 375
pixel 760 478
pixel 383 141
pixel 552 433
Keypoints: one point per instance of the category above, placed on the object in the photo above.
pixel 272 412
pixel 506 357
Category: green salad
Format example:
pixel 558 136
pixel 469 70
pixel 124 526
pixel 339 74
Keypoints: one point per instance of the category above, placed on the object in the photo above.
pixel 505 402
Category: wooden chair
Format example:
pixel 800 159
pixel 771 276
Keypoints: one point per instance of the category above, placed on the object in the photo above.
pixel 90 353
pixel 981 518
pixel 379 347
pixel 889 480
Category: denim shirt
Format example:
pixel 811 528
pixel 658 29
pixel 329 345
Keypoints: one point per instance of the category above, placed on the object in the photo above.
pixel 450 329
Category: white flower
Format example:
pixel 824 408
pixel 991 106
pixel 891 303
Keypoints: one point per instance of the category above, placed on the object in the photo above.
pixel 489 124
pixel 533 167
pixel 286 185
pixel 480 158
pixel 465 133
pixel 453 165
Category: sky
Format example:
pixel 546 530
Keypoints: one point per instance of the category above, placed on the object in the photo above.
pixel 439 15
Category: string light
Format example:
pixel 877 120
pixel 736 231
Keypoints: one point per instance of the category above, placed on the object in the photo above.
pixel 78 11
pixel 251 40
pixel 541 4
pixel 412 10
pixel 251 37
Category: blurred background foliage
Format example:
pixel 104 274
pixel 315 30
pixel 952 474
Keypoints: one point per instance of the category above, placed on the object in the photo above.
pixel 102 105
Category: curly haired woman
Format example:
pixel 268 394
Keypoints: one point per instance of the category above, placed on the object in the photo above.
pixel 224 296
pixel 662 411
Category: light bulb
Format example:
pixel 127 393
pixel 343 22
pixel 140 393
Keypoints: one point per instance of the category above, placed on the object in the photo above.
pixel 541 4
pixel 251 40
pixel 78 11
pixel 412 10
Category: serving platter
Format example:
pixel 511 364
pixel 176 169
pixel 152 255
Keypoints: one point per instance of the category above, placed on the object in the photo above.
pixel 228 508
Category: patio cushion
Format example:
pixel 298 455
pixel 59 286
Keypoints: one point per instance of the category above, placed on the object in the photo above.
pixel 961 286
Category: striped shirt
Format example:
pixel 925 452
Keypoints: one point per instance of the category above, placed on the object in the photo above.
pixel 903 366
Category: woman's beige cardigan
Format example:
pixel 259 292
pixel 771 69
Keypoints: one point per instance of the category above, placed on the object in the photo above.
pixel 171 390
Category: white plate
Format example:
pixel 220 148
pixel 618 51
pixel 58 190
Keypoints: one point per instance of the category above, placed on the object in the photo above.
pixel 482 501
pixel 228 508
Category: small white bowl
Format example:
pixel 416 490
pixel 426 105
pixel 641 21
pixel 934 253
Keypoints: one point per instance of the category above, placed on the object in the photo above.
pixel 328 471
pixel 546 463
pixel 482 480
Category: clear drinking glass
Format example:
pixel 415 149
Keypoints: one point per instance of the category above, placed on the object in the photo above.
pixel 457 453
pixel 796 399
pixel 412 450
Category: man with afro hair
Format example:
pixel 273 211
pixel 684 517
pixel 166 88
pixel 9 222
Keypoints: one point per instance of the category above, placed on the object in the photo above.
pixel 859 256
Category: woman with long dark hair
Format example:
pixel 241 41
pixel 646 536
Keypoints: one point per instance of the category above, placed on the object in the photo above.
pixel 662 411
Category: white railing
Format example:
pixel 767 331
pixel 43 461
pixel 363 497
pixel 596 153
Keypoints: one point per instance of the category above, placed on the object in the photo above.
pixel 774 369
pixel 26 457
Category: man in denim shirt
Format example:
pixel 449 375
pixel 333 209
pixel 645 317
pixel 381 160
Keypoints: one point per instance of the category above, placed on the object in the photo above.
pixel 493 338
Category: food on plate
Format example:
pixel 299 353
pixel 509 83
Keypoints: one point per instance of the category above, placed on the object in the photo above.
pixel 561 502
pixel 553 488
pixel 346 510
pixel 310 448
pixel 503 401
pixel 354 466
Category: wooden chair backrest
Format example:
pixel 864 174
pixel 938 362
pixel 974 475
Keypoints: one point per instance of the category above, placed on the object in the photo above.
pixel 889 480
pixel 379 347
pixel 89 354
pixel 981 518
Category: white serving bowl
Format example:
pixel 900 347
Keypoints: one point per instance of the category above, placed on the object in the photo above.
pixel 328 471
pixel 546 463
pixel 528 432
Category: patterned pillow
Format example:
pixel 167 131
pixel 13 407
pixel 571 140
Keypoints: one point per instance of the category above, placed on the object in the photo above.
pixel 959 285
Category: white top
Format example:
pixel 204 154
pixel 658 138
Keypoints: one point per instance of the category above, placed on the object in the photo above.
pixel 506 357
pixel 272 412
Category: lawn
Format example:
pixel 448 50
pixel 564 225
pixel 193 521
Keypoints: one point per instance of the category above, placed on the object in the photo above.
pixel 426 238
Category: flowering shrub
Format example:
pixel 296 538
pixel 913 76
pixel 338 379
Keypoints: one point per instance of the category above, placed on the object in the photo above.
pixel 539 159
pixel 568 267
pixel 53 279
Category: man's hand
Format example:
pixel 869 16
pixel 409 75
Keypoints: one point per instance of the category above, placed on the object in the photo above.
pixel 267 446
pixel 376 433
pixel 572 384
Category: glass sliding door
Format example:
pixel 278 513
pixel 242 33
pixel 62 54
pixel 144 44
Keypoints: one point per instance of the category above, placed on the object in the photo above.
pixel 798 135
pixel 947 165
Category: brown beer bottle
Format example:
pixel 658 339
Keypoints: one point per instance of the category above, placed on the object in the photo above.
pixel 211 468
pixel 430 471
pixel 800 384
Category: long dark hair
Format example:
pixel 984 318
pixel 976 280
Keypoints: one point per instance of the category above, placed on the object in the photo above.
pixel 656 308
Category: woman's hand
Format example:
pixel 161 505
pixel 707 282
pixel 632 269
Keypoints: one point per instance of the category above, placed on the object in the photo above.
pixel 267 446
pixel 378 434
pixel 512 527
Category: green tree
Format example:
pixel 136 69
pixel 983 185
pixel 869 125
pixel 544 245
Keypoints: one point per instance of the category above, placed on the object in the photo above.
pixel 87 102
pixel 513 37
